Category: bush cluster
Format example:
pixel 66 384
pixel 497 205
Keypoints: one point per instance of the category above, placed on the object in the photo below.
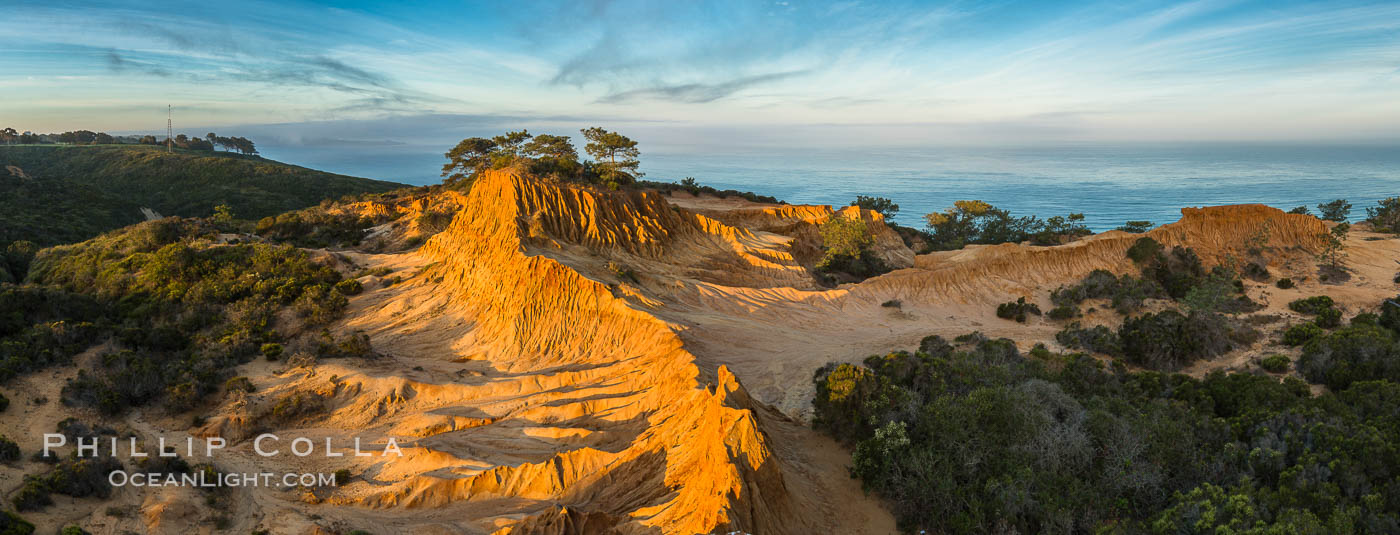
pixel 1167 340
pixel 85 191
pixel 1312 305
pixel 1144 249
pixel 180 310
pixel 12 524
pixel 1099 339
pixel 1017 310
pixel 1126 293
pixel 9 451
pixel 1301 333
pixel 976 222
pixel 1351 354
pixel 41 327
pixel 847 250
pixel 978 439
pixel 1275 363
pixel 316 227
pixel 690 185
pixel 1385 217
pixel 1136 227
pixel 76 477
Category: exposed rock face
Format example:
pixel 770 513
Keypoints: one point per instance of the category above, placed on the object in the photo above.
pixel 673 452
pixel 1215 233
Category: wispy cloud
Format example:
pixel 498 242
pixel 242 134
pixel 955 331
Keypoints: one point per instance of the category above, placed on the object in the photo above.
pixel 697 93
pixel 1147 70
pixel 121 64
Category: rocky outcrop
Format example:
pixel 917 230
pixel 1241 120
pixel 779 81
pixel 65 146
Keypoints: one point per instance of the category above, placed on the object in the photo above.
pixel 685 454
pixel 1216 234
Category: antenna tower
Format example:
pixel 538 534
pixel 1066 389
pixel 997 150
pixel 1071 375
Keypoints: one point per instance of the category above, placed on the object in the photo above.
pixel 169 128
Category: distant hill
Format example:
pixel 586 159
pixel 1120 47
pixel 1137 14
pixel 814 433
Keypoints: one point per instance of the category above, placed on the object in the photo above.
pixel 52 194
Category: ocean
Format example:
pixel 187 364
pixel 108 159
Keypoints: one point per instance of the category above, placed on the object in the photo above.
pixel 1110 184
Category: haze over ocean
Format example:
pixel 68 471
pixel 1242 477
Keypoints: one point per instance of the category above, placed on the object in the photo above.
pixel 1109 183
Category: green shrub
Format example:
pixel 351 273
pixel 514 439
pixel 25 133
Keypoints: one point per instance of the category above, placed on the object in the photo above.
pixel 43 326
pixel 1328 318
pixel 884 206
pixel 12 524
pixel 843 392
pixel 349 287
pixel 1218 292
pixel 164 464
pixel 690 185
pixel 319 305
pixel 1136 227
pixel 1144 249
pixel 976 222
pixel 1311 305
pixel 1301 334
pixel 846 242
pixel 1176 271
pixel 4 403
pixel 1063 312
pixel 316 227
pixel 1017 310
pixel 1256 271
pixel 9 451
pixel 295 406
pixel 76 477
pixel 1099 339
pixel 342 476
pixel 73 530
pixel 1390 314
pixel 183 311
pixel 32 495
pixel 981 440
pixel 1284 283
pixel 1126 293
pixel 1349 355
pixel 271 351
pixel 1098 283
pixel 935 346
pixel 1169 340
pixel 1276 363
pixel 1336 210
pixel 1385 217
pixel 238 383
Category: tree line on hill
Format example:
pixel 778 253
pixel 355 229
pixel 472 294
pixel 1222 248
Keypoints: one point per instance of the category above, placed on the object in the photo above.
pixel 615 157
pixel 241 145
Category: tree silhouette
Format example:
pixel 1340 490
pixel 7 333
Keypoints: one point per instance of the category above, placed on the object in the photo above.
pixel 620 153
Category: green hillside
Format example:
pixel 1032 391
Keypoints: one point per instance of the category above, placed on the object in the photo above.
pixel 76 192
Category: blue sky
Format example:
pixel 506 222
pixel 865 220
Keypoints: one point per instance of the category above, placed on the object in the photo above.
pixel 691 73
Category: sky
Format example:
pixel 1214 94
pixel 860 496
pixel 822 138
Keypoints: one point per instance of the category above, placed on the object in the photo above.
pixel 695 74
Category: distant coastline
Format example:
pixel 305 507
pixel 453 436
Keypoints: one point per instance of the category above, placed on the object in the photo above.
pixel 1110 184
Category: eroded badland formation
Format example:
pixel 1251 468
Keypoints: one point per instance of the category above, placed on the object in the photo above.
pixel 565 360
